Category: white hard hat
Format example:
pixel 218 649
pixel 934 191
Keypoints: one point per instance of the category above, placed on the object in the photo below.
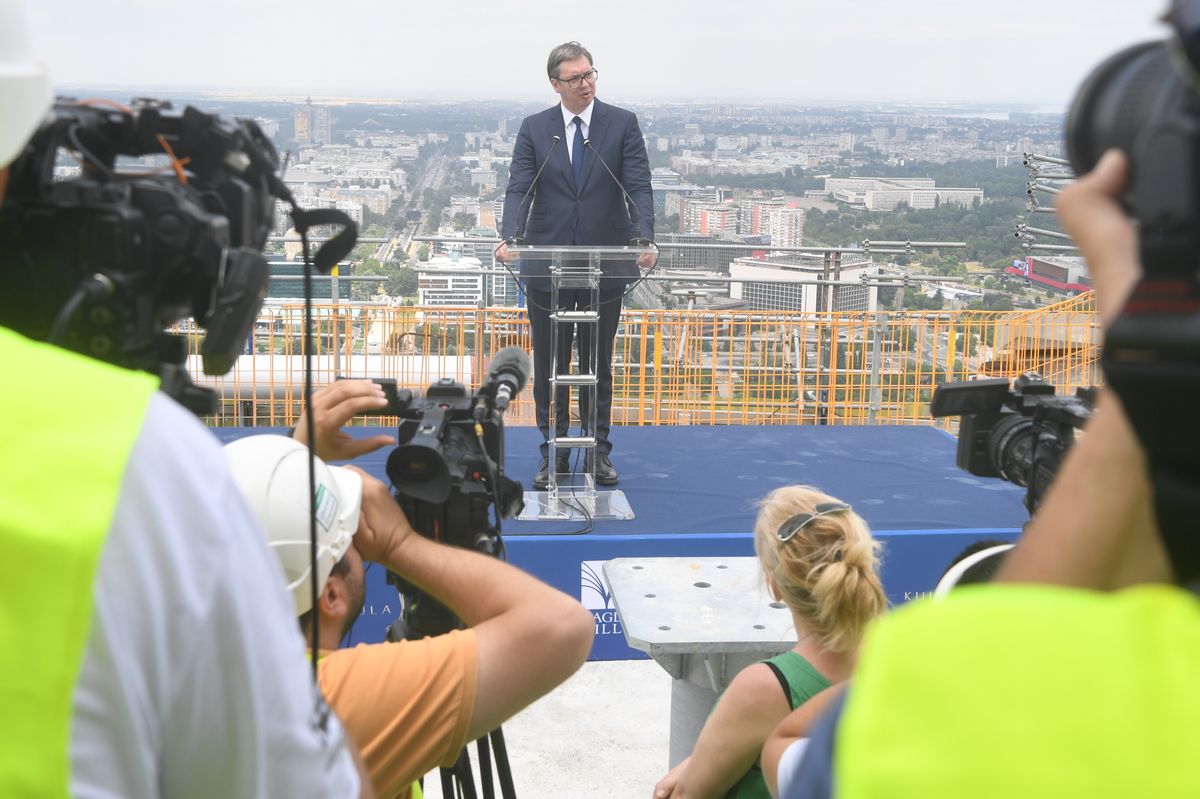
pixel 272 472
pixel 955 573
pixel 24 84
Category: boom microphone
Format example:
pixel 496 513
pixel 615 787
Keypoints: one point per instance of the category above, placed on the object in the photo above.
pixel 507 376
pixel 519 237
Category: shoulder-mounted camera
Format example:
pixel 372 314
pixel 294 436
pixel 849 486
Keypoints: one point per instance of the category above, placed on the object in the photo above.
pixel 104 247
pixel 1019 433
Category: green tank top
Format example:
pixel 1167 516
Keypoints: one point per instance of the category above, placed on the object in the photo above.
pixel 801 682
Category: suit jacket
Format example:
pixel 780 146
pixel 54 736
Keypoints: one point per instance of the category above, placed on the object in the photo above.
pixel 557 206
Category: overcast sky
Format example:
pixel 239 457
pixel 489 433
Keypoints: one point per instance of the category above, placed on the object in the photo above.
pixel 1033 51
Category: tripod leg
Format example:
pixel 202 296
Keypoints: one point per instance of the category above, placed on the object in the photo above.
pixel 460 773
pixel 507 790
pixel 485 769
pixel 447 776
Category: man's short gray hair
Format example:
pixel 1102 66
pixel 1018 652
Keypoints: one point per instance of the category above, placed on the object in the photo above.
pixel 565 52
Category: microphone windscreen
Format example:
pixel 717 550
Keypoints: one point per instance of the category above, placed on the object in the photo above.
pixel 512 361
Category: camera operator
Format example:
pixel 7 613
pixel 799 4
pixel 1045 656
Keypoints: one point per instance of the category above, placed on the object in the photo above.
pixel 412 705
pixel 1074 673
pixel 148 650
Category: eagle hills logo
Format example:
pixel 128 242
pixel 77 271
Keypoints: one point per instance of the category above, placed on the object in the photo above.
pixel 593 588
pixel 594 595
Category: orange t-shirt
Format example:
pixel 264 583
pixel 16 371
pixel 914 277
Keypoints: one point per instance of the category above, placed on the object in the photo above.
pixel 406 704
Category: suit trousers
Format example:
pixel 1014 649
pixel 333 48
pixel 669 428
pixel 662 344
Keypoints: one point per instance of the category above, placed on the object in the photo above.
pixel 540 327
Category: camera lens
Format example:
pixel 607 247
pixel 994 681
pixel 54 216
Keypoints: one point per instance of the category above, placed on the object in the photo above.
pixel 419 471
pixel 1010 448
pixel 1123 97
pixel 414 465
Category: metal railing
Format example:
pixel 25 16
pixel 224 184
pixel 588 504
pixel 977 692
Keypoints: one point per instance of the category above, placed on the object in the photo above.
pixel 674 367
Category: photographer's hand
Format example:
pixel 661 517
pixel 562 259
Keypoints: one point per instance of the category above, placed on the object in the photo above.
pixel 382 525
pixel 1095 528
pixel 1089 211
pixel 332 407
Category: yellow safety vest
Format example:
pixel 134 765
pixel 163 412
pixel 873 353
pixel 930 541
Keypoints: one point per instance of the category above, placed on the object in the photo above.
pixel 1026 691
pixel 67 426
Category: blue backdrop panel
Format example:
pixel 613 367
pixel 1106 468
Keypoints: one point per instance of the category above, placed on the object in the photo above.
pixel 694 489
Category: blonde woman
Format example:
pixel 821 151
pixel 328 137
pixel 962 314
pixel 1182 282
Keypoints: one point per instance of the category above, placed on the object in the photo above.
pixel 818 558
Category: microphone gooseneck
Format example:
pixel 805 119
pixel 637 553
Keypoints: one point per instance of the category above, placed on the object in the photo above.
pixel 519 236
pixel 634 222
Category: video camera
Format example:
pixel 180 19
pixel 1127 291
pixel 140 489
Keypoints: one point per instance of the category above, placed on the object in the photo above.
pixel 1145 101
pixel 448 471
pixel 101 261
pixel 1020 433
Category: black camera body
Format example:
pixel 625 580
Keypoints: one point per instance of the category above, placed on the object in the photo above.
pixel 1145 100
pixel 448 473
pixel 102 262
pixel 1019 434
pixel 443 465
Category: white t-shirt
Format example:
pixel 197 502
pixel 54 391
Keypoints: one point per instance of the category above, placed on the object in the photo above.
pixel 789 765
pixel 194 680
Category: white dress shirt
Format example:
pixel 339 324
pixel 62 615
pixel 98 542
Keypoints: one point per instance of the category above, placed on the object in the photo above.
pixel 586 116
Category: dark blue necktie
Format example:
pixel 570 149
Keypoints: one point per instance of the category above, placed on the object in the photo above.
pixel 577 153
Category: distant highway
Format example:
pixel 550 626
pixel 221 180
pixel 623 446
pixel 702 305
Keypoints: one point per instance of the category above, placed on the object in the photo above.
pixel 432 177
pixel 384 253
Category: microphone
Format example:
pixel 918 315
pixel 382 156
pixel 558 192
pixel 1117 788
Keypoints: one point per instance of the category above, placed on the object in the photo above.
pixel 507 376
pixel 519 238
pixel 634 221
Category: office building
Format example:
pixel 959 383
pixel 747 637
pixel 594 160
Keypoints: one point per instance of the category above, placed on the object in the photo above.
pixel 785 292
pixel 436 286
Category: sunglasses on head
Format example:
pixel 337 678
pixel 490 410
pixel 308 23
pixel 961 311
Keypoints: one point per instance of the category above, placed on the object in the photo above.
pixel 797 522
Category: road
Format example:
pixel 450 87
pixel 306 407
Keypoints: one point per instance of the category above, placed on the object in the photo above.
pixel 400 240
pixel 384 253
pixel 433 176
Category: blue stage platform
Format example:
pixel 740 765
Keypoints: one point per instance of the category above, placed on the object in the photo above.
pixel 693 490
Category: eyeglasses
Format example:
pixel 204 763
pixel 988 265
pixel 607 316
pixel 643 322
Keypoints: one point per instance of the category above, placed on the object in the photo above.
pixel 590 76
pixel 797 522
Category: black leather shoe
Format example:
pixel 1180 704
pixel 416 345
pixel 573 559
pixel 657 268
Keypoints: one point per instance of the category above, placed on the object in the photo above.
pixel 606 473
pixel 541 480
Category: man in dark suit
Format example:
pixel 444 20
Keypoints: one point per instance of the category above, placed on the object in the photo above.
pixel 577 201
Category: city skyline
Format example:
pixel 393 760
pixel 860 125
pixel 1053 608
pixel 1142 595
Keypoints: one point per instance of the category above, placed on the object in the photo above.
pixel 853 51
